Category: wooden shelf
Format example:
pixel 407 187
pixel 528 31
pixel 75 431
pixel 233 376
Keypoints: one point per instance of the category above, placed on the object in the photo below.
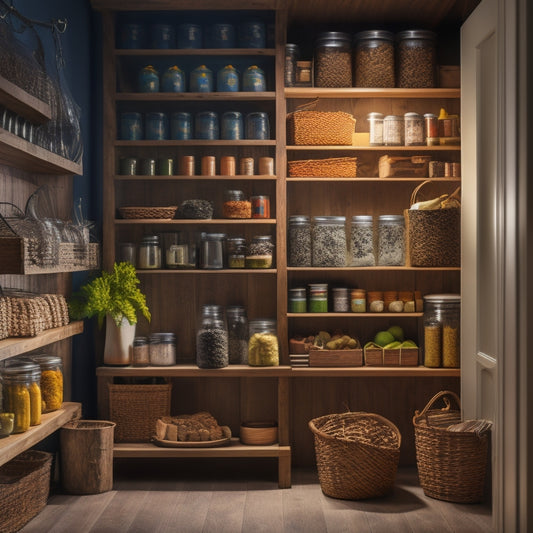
pixel 191 97
pixel 196 142
pixel 183 5
pixel 19 345
pixel 347 148
pixel 375 371
pixel 196 52
pixel 200 221
pixel 356 92
pixel 14 444
pixel 255 177
pixel 205 271
pixel 372 268
pixel 192 371
pixel 23 103
pixel 387 181
pixel 355 315
pixel 19 153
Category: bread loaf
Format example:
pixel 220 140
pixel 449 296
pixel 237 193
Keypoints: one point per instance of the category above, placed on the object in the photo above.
pixel 199 427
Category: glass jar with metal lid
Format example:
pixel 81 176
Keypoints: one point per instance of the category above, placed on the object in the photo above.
pixel 236 251
pixel 393 130
pixel 297 300
pixel 318 297
pixel 140 355
pixel 416 59
pixel 329 241
pixel 51 381
pixel 263 346
pixel 253 79
pixel 341 299
pixel 375 123
pixel 237 334
pixel 333 60
pixel 391 240
pixel 228 80
pixel 299 241
pixel 362 241
pixel 212 338
pixel 260 252
pixel 149 253
pixel 212 251
pixel 373 59
pixel 413 129
pixel 162 349
pixel 236 205
pixel 292 54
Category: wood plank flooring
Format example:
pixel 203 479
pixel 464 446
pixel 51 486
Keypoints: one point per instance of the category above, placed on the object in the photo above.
pixel 233 496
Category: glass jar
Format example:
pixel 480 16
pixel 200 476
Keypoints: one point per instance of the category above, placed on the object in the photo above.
pixel 257 126
pixel 173 80
pixel 235 205
pixel 206 126
pixel 393 130
pixel 373 62
pixel 165 166
pixel 148 80
pixel 431 127
pixel 171 244
pixel 416 59
pixel 442 330
pixel 303 73
pixel 201 80
pixel 162 349
pixel 413 129
pixel 333 60
pixel 236 250
pixel 212 251
pixel 252 34
pixel 341 300
pixel 391 240
pixel 189 36
pixel 149 253
pixel 228 80
pixel 297 300
pixel 156 127
pixel 260 206
pixel 148 167
pixel 162 36
pixel 131 126
pixel 329 241
pixel 140 355
pixel 362 241
pixel 222 35
pixel 128 166
pixel 299 241
pixel 212 338
pixel 51 381
pixel 318 297
pixel 253 79
pixel 263 349
pixel 260 252
pixel 127 253
pixel 237 335
pixel 358 301
pixel 232 126
pixel 181 126
pixel 375 121
pixel 292 54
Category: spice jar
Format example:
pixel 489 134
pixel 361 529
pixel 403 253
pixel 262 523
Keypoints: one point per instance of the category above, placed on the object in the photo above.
pixel 297 300
pixel 260 206
pixel 51 381
pixel 375 301
pixel 393 130
pixel 329 241
pixel 228 80
pixel 266 166
pixel 292 54
pixel 201 80
pixel 236 250
pixel 131 126
pixel 163 36
pixel 163 349
pixel 232 126
pixel 132 36
pixel 156 127
pixel 140 355
pixel 148 80
pixel 181 126
pixel 341 300
pixel 187 165
pixel 212 338
pixel 235 205
pixel 413 129
pixel 362 241
pixel 221 35
pixel 252 34
pixel 189 36
pixel 416 59
pixel 303 73
pixel 373 63
pixel 127 166
pixel 237 335
pixel 299 241
pixel 149 253
pixel 431 124
pixel 127 253
pixel 391 237
pixel 212 251
pixel 208 165
pixel 263 349
pixel 227 165
pixel 173 80
pixel 260 252
pixel 375 121
pixel 333 60
pixel 257 126
pixel 318 297
pixel 247 166
pixel 206 125
pixel 253 79
pixel 358 301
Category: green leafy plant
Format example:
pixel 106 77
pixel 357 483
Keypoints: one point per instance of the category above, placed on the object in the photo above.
pixel 114 293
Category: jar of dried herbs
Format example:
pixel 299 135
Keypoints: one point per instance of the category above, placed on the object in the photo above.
pixel 333 60
pixel 373 59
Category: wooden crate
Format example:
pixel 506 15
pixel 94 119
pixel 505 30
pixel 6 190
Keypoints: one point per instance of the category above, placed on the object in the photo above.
pixel 395 357
pixel 336 357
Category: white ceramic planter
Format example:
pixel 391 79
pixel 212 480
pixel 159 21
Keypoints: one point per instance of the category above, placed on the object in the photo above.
pixel 118 342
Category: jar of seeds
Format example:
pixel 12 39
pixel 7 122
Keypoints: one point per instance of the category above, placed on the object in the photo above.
pixel 212 338
pixel 416 59
pixel 237 335
pixel 236 250
pixel 362 241
pixel 329 241
pixel 260 252
pixel 374 59
pixel 375 122
pixel 333 60
pixel 413 129
pixel 391 240
pixel 263 349
pixel 393 130
pixel 299 241
pixel 140 355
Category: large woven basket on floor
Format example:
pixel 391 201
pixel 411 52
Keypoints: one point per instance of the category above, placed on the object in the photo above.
pixel 24 489
pixel 356 453
pixel 451 465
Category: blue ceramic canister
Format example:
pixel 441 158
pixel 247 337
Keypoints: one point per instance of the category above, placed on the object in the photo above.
pixel 181 126
pixel 148 80
pixel 253 79
pixel 257 126
pixel 189 36
pixel 222 35
pixel 252 34
pixel 162 36
pixel 228 80
pixel 173 80
pixel 201 80
pixel 232 126
pixel 132 36
pixel 206 126
pixel 156 126
pixel 131 126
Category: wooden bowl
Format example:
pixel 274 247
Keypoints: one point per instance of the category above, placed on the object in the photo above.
pixel 259 433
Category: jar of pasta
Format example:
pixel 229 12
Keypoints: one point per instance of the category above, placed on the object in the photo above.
pixel 263 349
pixel 51 381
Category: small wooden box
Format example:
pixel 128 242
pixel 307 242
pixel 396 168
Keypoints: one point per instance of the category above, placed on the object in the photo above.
pixel 396 357
pixel 336 357
pixel 415 166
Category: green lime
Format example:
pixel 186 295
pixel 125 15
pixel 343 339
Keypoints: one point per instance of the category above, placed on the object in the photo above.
pixel 397 333
pixel 383 338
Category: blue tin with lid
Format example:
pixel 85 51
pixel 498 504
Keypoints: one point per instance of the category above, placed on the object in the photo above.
pixel 253 79
pixel 232 126
pixel 181 126
pixel 201 80
pixel 228 79
pixel 222 35
pixel 252 34
pixel 156 126
pixel 132 36
pixel 173 80
pixel 162 36
pixel 148 80
pixel 257 126
pixel 189 36
pixel 206 126
pixel 131 126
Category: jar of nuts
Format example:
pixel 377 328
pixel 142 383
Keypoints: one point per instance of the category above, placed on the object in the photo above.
pixel 416 59
pixel 333 60
pixel 373 58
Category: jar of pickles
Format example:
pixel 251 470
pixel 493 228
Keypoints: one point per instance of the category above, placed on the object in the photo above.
pixel 263 347
pixel 51 381
pixel 333 60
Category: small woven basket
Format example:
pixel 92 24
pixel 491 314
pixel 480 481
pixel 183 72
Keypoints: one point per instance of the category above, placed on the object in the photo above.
pixel 161 213
pixel 357 454
pixel 24 489
pixel 451 464
pixel 334 167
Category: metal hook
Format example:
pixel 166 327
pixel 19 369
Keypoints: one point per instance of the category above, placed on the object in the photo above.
pixel 60 25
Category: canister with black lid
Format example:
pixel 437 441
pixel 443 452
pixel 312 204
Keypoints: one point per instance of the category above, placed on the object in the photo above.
pixel 333 59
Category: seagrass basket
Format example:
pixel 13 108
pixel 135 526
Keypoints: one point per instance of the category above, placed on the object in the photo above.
pixel 333 167
pixel 356 453
pixel 451 464
pixel 162 213
pixel 312 128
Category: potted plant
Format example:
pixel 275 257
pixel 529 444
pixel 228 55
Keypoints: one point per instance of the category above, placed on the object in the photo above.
pixel 116 297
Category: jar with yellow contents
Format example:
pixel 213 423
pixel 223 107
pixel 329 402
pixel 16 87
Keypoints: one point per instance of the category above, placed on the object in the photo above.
pixel 51 381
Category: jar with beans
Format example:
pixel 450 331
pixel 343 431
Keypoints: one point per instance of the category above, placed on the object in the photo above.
pixel 299 241
pixel 416 59
pixel 374 59
pixel 329 241
pixel 235 205
pixel 333 60
pixel 391 237
pixel 212 338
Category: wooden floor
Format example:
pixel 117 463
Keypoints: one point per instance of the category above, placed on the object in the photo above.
pixel 232 498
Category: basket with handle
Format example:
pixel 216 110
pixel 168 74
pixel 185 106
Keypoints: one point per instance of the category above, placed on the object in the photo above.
pixel 451 464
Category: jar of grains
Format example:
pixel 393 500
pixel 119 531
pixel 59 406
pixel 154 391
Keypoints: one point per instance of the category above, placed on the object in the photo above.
pixel 292 54
pixel 263 349
pixel 299 241
pixel 329 241
pixel 393 130
pixel 237 335
pixel 341 300
pixel 297 300
pixel 333 60
pixel 260 252
pixel 212 338
pixel 236 250
pixel 413 129
pixel 375 123
pixel 163 349
pixel 235 205
pixel 416 59
pixel 149 253
pixel 140 355
pixel 362 241
pixel 391 237
pixel 373 59
pixel 318 297
pixel 51 381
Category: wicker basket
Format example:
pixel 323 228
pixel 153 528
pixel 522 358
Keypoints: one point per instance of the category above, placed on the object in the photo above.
pixel 314 128
pixel 136 408
pixel 451 465
pixel 334 167
pixel 161 213
pixel 24 489
pixel 356 453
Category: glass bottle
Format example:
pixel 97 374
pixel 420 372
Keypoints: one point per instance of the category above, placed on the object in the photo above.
pixel 212 338
pixel 51 381
pixel 391 240
pixel 329 241
pixel 237 334
pixel 373 63
pixel 149 253
pixel 333 60
pixel 362 241
pixel 299 241
pixel 416 59
pixel 263 346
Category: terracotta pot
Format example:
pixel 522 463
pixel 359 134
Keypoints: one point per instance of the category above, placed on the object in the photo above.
pixel 118 342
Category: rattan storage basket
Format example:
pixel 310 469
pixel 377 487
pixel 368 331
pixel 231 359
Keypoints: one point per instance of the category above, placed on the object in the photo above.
pixel 321 128
pixel 334 167
pixel 161 213
pixel 451 464
pixel 24 488
pixel 356 453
